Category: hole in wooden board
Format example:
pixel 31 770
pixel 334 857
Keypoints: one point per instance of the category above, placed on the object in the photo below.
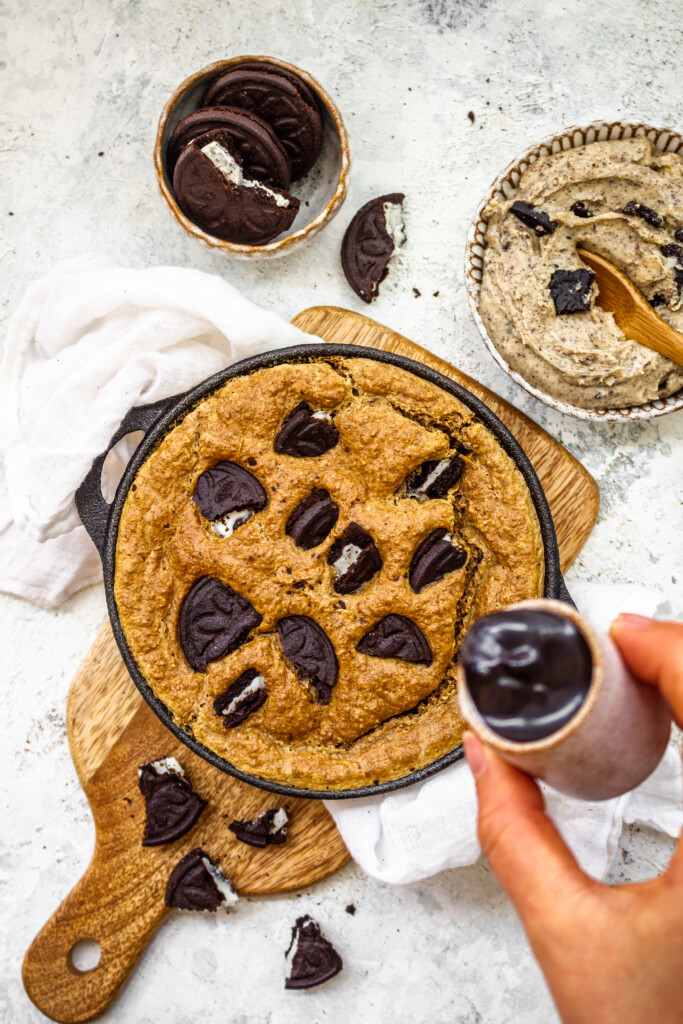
pixel 83 956
pixel 116 461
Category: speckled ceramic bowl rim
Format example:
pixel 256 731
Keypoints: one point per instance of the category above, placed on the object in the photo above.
pixel 292 241
pixel 505 184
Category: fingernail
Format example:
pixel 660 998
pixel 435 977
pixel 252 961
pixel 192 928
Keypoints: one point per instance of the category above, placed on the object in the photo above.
pixel 627 620
pixel 474 752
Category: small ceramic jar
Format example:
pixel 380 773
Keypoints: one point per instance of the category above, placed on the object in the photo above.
pixel 612 743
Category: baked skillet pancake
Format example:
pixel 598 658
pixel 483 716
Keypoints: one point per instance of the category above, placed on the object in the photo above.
pixel 300 557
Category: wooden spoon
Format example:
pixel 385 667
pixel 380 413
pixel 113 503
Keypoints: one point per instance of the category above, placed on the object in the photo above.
pixel 632 312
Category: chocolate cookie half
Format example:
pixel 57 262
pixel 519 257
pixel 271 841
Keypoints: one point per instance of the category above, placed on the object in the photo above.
pixel 291 111
pixel 212 190
pixel 371 238
pixel 261 154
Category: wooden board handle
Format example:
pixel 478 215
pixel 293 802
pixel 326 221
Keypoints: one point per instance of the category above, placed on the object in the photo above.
pixel 121 919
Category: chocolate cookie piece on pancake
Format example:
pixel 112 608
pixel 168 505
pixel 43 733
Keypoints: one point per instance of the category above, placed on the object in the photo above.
pixel 262 156
pixel 283 101
pixel 213 190
pixel 369 243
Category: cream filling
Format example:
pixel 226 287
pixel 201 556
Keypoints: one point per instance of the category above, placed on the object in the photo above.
pixel 222 883
pixel 227 524
pixel 433 476
pixel 233 173
pixel 320 415
pixel 394 223
pixel 257 684
pixel 166 766
pixel 280 819
pixel 294 948
pixel 349 556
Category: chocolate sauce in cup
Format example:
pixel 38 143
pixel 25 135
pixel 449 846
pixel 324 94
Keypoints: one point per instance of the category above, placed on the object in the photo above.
pixel 552 696
pixel 528 672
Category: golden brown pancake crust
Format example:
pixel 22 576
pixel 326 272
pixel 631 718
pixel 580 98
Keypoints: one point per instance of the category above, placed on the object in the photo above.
pixel 386 717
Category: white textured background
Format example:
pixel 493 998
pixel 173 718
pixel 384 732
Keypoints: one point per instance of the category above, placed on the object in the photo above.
pixel 82 85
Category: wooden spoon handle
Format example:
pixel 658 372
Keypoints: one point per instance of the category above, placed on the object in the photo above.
pixel 122 919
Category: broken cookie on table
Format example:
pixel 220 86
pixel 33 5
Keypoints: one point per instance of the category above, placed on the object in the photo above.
pixel 376 232
pixel 311 958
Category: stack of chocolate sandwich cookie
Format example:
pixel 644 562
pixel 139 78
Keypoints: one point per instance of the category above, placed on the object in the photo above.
pixel 258 129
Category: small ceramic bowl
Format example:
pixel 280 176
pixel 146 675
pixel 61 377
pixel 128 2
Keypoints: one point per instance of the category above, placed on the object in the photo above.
pixel 321 191
pixel 503 187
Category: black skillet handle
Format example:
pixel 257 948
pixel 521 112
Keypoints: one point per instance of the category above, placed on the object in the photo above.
pixel 90 501
pixel 563 594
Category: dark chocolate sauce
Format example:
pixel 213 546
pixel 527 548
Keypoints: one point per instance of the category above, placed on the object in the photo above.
pixel 528 672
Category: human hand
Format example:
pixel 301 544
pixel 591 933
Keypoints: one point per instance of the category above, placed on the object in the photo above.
pixel 610 955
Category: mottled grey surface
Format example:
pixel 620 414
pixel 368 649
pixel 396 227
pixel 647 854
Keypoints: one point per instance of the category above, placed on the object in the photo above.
pixel 82 87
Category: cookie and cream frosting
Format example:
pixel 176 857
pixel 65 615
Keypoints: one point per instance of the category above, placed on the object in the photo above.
pixel 622 199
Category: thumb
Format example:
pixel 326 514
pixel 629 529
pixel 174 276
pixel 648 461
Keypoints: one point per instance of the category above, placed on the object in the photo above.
pixel 526 852
pixel 653 650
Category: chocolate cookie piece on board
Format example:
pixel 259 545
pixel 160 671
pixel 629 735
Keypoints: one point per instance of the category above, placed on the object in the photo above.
pixel 269 829
pixel 262 156
pixel 369 244
pixel 241 211
pixel 171 805
pixel 291 112
pixel 196 883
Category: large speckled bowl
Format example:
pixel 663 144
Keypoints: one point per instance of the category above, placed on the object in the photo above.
pixel 321 191
pixel 504 186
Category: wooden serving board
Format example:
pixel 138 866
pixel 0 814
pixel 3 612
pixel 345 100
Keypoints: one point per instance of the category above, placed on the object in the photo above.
pixel 119 902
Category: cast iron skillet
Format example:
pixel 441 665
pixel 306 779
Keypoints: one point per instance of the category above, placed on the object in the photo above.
pixel 101 520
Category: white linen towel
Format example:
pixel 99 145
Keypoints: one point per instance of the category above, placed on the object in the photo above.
pixel 417 831
pixel 87 342
pixel 92 339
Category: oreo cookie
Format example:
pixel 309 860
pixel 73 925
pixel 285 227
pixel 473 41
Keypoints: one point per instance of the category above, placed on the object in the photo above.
pixel 306 434
pixel 355 559
pixel 262 157
pixel 434 478
pixel 311 958
pixel 646 213
pixel 370 241
pixel 534 218
pixel 227 495
pixel 310 650
pixel 241 698
pixel 282 101
pixel 312 519
pixel 434 558
pixel 171 805
pixel 269 829
pixel 570 290
pixel 396 636
pixel 196 883
pixel 214 620
pixel 212 190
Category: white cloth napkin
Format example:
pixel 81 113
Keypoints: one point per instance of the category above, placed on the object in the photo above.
pixel 418 831
pixel 89 341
